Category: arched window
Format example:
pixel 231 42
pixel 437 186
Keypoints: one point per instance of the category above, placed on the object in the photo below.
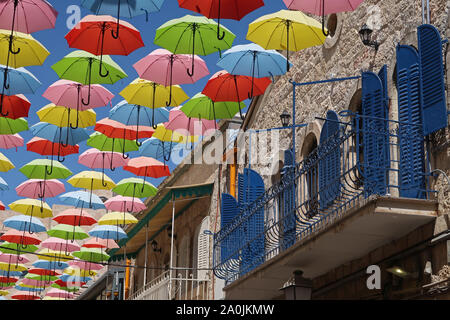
pixel 311 182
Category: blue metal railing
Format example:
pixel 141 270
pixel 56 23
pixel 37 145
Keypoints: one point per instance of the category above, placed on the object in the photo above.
pixel 288 221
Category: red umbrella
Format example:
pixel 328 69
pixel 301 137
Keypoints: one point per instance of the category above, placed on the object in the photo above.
pixel 15 107
pixel 100 243
pixel 147 167
pixel 2 206
pixel 222 9
pixel 43 272
pixel 118 130
pixel 24 296
pixel 70 284
pixel 75 217
pixel 24 238
pixel 91 35
pixel 47 148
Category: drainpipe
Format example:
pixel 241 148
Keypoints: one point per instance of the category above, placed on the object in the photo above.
pixel 233 177
pixel 127 279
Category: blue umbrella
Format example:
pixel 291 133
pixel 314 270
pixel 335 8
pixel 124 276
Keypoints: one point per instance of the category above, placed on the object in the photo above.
pixel 108 232
pixel 50 265
pixel 135 115
pixel 122 8
pixel 25 223
pixel 155 148
pixel 74 278
pixel 81 199
pixel 254 61
pixel 19 287
pixel 57 134
pixel 5 273
pixel 3 185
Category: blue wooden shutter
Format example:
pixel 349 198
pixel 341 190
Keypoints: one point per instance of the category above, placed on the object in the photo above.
pixel 253 251
pixel 330 161
pixel 382 74
pixel 230 244
pixel 432 79
pixel 411 166
pixel 242 190
pixel 287 205
pixel 375 135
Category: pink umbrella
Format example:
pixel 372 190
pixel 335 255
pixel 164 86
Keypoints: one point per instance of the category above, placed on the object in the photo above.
pixel 8 141
pixel 122 204
pixel 96 159
pixel 58 293
pixel 69 94
pixel 180 123
pixel 34 282
pixel 39 188
pixel 58 244
pixel 164 67
pixel 100 243
pixel 13 258
pixel 84 265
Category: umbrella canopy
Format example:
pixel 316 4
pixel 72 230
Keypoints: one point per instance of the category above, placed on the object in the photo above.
pixel 20 237
pixel 42 272
pixel 166 135
pixel 116 218
pixel 91 255
pixel 9 247
pixel 65 117
pixel 12 126
pixel 193 35
pixel 23 296
pixel 108 232
pixel 147 167
pixel 96 159
pixel 38 169
pixel 13 258
pixel 8 141
pixel 39 188
pixel 79 272
pixel 32 207
pixel 2 206
pixel 23 50
pixel 58 293
pixel 5 163
pixel 64 135
pixel 115 129
pixel 286 30
pixel 179 122
pixel 24 223
pixel 135 187
pixel 53 255
pixel 92 180
pixel 82 199
pixel 104 143
pixel 45 147
pixel 23 80
pixel 203 107
pixel 125 204
pixel 27 16
pixel 3 185
pixel 97 243
pixel 75 217
pixel 58 244
pixel 65 231
pixel 155 148
pixel 50 265
pixel 16 106
pixel 12 266
pixel 84 265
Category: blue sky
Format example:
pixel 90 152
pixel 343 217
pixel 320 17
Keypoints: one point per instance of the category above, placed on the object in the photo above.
pixel 55 42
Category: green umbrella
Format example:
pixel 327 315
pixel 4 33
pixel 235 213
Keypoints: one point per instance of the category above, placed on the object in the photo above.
pixel 194 35
pixel 65 231
pixel 91 255
pixel 68 289
pixel 13 248
pixel 201 106
pixel 13 126
pixel 84 67
pixel 135 187
pixel 104 143
pixel 38 169
pixel 40 277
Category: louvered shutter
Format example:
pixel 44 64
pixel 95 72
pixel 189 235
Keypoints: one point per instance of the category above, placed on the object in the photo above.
pixel 411 166
pixel 375 135
pixel 203 250
pixel 230 244
pixel 287 205
pixel 382 74
pixel 432 79
pixel 330 161
pixel 242 190
pixel 254 225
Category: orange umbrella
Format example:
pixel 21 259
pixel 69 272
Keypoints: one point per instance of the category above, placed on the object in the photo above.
pixel 147 167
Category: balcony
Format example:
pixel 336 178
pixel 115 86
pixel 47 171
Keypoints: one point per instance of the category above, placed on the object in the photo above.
pixel 363 186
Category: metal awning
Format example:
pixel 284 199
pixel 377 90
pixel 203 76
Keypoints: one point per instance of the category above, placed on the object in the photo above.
pixel 159 216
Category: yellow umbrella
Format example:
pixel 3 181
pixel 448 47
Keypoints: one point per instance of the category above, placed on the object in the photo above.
pixel 116 218
pixel 166 135
pixel 5 163
pixel 3 293
pixel 92 180
pixel 64 117
pixel 289 30
pixel 24 50
pixel 80 272
pixel 52 255
pixel 152 95
pixel 52 298
pixel 32 207
pixel 12 266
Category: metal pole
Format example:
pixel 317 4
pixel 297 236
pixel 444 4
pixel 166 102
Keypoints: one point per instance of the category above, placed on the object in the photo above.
pixel 293 150
pixel 423 11
pixel 171 246
pixel 145 263
pixel 428 12
pixel 125 260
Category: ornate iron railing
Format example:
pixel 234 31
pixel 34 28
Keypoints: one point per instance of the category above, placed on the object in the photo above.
pixel 372 156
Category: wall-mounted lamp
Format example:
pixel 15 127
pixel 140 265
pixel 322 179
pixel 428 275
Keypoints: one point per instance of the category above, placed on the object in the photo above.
pixel 399 272
pixel 298 289
pixel 366 37
pixel 285 119
pixel 155 246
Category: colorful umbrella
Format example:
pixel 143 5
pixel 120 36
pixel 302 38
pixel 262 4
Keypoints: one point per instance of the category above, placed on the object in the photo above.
pixel 12 126
pixel 25 223
pixel 8 141
pixel 125 204
pixel 32 207
pixel 3 185
pixel 165 135
pixel 58 293
pixel 91 255
pixel 13 258
pixel 22 238
pixel 47 148
pixel 116 218
pixel 50 265
pixel 27 16
pixel 63 117
pixel 75 217
pixel 53 255
pixel 122 8
pixel 84 265
pixel 23 296
pixel 82 199
pixel 7 247
pixel 104 143
pixel 203 107
pixel 39 188
pixel 155 148
pixel 42 272
pixel 222 9
pixel 153 95
pixel 136 115
pixel 92 180
pixel 115 129
pixel 5 163
pixel 135 187
pixel 180 35
pixel 323 7
pixel 96 159
pixel 97 243
pixel 164 67
pixel 58 244
pixel 286 30
pixel 91 35
pixel 16 106
pixel 59 134
pixel 108 232
pixel 147 167
pixel 2 206
pixel 65 231
pixel 179 122
pixel 38 169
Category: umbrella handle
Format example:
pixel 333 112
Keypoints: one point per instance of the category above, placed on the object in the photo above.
pixel 89 87
pixel 103 75
pixel 164 151
pixel 171 81
pixel 219 37
pixel 105 184
pixel 59 153
pixel 288 25
pixel 116 34
pixel 5 79
pixel 1 105
pixel 137 128
pixel 11 45
pixel 194 29
pixel 78 119
pixel 154 125
pixel 325 33
pixel 146 14
pixel 51 169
